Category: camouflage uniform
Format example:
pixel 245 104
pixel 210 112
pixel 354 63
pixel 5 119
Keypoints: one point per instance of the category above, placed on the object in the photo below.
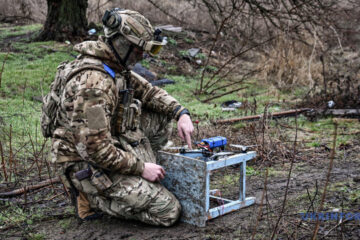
pixel 91 132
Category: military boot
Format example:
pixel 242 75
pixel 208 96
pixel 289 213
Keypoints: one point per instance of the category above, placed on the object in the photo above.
pixel 83 208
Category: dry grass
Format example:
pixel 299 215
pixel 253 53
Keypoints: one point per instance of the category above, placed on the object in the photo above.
pixel 190 16
pixel 288 64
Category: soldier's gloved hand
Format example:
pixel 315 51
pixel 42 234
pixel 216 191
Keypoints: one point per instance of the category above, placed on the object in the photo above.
pixel 185 129
pixel 153 172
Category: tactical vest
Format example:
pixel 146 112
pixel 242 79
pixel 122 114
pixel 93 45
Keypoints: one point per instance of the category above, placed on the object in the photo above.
pixel 126 116
pixel 52 101
pixel 126 123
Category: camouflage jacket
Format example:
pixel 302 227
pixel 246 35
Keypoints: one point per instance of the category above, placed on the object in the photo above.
pixel 87 109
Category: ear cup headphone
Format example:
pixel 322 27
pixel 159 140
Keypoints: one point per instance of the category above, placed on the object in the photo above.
pixel 111 19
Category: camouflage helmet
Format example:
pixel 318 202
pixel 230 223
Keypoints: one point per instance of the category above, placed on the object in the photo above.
pixel 134 27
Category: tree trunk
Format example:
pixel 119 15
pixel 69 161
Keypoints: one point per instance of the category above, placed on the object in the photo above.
pixel 65 20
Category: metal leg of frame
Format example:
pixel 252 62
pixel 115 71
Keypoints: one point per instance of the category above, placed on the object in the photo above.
pixel 207 189
pixel 242 181
pixel 230 207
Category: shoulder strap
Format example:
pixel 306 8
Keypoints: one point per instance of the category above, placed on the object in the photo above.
pixel 89 67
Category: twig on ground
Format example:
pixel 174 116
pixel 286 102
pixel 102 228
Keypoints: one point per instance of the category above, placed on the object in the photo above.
pixel 288 113
pixel 29 188
pixel 3 161
pixel 49 174
pixel 35 155
pixel 25 198
pixel 327 180
pixel 293 235
pixel 64 187
pixel 55 196
pixel 10 153
pixel 336 226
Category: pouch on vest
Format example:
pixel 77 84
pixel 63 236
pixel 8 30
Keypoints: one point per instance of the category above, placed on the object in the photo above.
pixel 100 180
pixel 133 121
pixel 51 102
pixel 128 114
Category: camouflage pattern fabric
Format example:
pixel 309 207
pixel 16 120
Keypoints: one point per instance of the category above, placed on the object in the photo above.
pixel 135 24
pixel 132 197
pixel 85 135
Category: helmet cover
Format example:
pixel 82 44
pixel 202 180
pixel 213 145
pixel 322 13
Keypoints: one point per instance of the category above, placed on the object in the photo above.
pixel 134 27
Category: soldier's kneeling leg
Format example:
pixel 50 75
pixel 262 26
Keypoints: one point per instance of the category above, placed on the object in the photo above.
pixel 164 209
pixel 131 197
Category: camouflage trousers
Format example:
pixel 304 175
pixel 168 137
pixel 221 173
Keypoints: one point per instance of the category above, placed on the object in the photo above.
pixel 132 197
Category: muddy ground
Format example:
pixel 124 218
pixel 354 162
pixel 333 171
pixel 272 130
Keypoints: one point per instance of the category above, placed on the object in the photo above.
pixel 309 173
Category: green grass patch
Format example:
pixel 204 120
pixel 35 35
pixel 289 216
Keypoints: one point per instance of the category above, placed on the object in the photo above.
pixel 27 78
pixel 183 91
pixel 321 131
pixel 13 31
pixel 333 200
pixel 172 41
pixel 28 72
pixel 65 223
pixel 22 118
pixel 14 215
pixel 210 68
pixel 188 40
pixel 250 171
pixel 201 56
pixel 183 53
pixel 37 236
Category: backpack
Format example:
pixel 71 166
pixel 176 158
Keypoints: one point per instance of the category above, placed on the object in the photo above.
pixel 52 101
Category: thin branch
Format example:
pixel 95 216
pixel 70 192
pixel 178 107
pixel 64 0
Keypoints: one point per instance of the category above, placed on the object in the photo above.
pixel 165 12
pixel 223 94
pixel 311 206
pixel 3 161
pixel 234 57
pixel 230 84
pixel 288 182
pixel 327 180
pixel 10 153
pixel 99 6
pixel 261 204
pixel 211 50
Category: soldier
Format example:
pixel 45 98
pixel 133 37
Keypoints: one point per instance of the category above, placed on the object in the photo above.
pixel 110 122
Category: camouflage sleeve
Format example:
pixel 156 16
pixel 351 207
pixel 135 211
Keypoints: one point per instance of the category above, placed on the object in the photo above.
pixel 93 103
pixel 155 98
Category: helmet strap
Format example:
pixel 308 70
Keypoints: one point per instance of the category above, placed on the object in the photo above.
pixel 121 61
pixel 131 48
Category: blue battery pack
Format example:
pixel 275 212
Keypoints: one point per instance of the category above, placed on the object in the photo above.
pixel 214 142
